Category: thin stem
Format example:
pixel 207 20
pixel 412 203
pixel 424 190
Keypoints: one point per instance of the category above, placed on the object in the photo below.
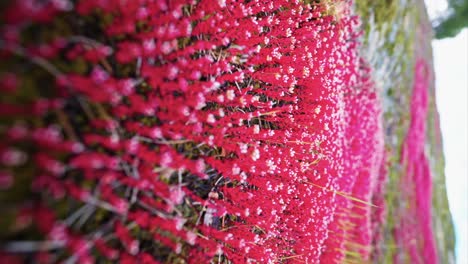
pixel 32 246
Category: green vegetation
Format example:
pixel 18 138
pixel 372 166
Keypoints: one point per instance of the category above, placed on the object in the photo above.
pixel 456 19
pixel 389 45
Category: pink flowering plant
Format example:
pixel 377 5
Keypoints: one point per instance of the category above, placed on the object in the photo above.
pixel 153 131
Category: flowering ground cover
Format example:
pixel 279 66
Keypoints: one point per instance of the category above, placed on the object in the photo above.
pixel 203 131
pixel 395 52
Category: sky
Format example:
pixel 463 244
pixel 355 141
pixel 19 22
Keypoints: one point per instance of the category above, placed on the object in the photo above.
pixel 451 69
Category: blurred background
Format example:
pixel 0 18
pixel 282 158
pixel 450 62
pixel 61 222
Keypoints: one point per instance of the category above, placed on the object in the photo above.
pixel 450 44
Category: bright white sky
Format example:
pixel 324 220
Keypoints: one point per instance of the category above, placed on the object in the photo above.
pixel 451 68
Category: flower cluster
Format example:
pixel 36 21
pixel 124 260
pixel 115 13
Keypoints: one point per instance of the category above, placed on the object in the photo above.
pixel 158 131
pixel 417 240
